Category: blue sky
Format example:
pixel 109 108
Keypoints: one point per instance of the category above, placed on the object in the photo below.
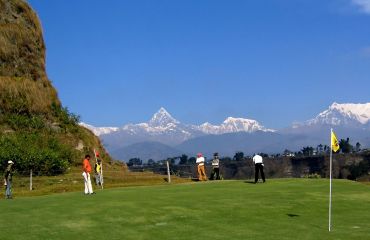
pixel 276 61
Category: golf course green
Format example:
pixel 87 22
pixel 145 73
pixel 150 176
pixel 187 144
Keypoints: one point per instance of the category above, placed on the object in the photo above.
pixel 278 209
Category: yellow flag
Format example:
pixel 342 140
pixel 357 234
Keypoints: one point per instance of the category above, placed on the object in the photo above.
pixel 334 142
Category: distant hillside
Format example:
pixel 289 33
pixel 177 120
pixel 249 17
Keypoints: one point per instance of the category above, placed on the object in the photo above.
pixel 36 131
pixel 146 151
pixel 249 143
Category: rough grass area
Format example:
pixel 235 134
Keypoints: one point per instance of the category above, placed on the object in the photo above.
pixel 115 175
pixel 279 209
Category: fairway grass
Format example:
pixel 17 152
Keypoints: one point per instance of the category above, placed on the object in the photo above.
pixel 278 209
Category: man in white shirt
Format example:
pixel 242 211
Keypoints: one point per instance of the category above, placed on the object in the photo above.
pixel 258 164
pixel 201 172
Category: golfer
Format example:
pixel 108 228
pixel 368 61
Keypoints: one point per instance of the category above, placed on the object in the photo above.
pixel 86 174
pixel 215 167
pixel 201 172
pixel 258 165
pixel 8 180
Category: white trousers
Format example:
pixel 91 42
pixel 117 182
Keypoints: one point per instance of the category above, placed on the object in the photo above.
pixel 87 180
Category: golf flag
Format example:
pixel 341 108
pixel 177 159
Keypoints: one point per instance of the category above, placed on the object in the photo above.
pixel 334 147
pixel 334 142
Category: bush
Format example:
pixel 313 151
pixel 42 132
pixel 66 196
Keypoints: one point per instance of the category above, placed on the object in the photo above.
pixel 41 153
pixel 358 170
pixel 66 119
pixel 313 175
pixel 17 122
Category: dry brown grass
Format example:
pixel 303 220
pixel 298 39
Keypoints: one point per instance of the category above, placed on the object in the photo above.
pixel 20 95
pixel 23 80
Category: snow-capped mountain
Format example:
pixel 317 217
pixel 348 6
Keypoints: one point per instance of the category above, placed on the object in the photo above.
pixel 162 119
pixel 163 128
pixel 162 122
pixel 99 130
pixel 232 125
pixel 344 115
pixel 234 134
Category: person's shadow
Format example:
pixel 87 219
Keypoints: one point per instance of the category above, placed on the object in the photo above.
pixel 292 215
pixel 250 182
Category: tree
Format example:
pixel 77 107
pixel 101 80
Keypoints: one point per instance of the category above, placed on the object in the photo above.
pixel 264 155
pixel 171 161
pixel 183 159
pixel 345 146
pixel 326 148
pixel 307 151
pixel 192 160
pixel 134 162
pixel 151 162
pixel 239 156
pixel 358 147
pixel 320 148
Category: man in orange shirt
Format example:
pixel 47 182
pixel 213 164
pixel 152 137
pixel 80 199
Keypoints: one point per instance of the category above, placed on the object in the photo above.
pixel 86 175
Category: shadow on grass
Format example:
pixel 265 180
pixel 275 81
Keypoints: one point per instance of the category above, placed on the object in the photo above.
pixel 250 182
pixel 292 215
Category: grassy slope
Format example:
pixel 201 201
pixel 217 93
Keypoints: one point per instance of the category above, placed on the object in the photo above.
pixel 280 209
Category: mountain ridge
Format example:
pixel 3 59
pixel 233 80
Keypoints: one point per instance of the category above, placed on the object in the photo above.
pixel 348 120
pixel 163 121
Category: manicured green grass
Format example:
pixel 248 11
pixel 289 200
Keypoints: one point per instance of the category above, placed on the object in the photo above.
pixel 279 209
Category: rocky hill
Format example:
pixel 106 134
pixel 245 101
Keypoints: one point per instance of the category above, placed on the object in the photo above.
pixel 36 131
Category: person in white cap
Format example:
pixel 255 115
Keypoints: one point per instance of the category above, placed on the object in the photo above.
pixel 201 172
pixel 258 163
pixel 8 180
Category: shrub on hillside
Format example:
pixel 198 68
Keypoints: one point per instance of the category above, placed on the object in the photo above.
pixel 43 154
pixel 21 122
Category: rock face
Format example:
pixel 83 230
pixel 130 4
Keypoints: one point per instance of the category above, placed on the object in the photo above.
pixel 24 85
pixel 31 115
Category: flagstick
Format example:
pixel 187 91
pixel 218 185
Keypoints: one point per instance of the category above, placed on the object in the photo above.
pixel 101 175
pixel 331 156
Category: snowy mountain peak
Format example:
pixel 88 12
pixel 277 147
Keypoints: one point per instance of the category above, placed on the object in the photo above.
pixel 99 130
pixel 232 120
pixel 242 125
pixel 162 118
pixel 162 123
pixel 232 125
pixel 343 114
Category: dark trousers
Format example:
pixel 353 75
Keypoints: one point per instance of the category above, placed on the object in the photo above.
pixel 215 171
pixel 259 167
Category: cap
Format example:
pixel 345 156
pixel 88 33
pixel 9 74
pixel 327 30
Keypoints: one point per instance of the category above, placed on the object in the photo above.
pixel 199 155
pixel 10 162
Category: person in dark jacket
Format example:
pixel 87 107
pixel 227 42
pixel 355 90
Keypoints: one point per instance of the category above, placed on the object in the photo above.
pixel 8 180
pixel 215 167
